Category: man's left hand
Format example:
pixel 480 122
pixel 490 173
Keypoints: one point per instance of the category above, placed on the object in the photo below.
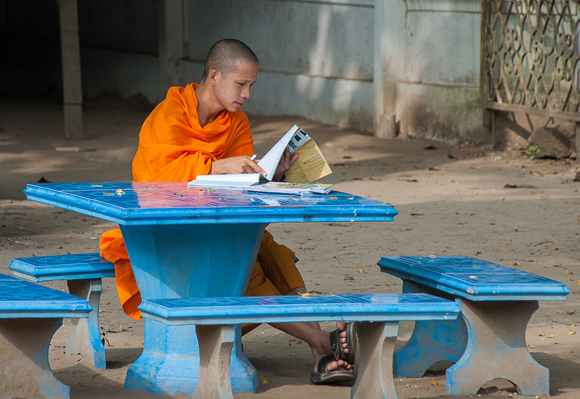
pixel 285 162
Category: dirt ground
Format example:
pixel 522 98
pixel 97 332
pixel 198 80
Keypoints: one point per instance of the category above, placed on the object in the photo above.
pixel 451 201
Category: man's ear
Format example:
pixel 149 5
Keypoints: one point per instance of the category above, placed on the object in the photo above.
pixel 214 76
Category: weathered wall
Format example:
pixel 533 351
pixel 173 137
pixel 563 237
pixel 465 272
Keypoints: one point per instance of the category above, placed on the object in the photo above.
pixel 316 57
pixel 438 94
pixel 319 59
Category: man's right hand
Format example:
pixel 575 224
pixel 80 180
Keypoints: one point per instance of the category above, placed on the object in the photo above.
pixel 235 165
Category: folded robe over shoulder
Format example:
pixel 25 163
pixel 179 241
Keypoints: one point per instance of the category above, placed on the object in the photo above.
pixel 174 147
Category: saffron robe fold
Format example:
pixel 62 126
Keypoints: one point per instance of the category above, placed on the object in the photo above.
pixel 173 146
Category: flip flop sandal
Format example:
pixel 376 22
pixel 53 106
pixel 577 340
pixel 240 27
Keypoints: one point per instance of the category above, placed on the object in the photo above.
pixel 323 376
pixel 336 345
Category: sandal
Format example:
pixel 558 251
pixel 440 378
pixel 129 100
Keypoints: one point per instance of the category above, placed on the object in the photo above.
pixel 349 354
pixel 323 376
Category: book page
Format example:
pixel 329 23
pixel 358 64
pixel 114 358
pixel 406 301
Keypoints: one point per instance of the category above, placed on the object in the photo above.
pixel 309 166
pixel 270 161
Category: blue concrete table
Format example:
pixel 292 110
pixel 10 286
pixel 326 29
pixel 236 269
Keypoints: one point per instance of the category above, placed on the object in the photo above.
pixel 191 242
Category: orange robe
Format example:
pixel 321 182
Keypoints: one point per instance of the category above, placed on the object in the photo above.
pixel 174 147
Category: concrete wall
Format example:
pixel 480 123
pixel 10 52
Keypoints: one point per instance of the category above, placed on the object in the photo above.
pixel 413 69
pixel 316 57
pixel 438 93
pixel 386 66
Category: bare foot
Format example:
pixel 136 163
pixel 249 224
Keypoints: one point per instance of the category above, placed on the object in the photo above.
pixel 341 325
pixel 336 365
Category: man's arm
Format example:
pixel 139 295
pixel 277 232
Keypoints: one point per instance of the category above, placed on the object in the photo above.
pixel 233 165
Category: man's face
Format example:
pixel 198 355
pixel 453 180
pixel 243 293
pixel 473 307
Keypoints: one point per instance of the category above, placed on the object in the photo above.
pixel 232 90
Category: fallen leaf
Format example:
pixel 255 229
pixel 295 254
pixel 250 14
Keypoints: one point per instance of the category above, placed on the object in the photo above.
pixel 559 312
pixel 577 282
pixel 265 382
pixel 569 272
pixel 571 332
pixel 433 382
pixel 532 346
pixel 361 271
pixel 516 264
pixel 571 313
pixel 550 336
pixel 385 284
pixel 306 294
pixel 541 335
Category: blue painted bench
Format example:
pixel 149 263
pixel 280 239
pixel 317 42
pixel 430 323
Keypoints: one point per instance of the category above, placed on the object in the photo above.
pixel 83 274
pixel 213 320
pixel 488 342
pixel 30 314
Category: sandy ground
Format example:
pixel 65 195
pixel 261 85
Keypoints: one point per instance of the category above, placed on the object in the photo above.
pixel 451 201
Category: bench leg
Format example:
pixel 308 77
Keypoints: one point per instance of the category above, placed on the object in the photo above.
pixel 85 336
pixel 496 348
pixel 375 375
pixel 24 368
pixel 215 348
pixel 431 341
pixel 170 362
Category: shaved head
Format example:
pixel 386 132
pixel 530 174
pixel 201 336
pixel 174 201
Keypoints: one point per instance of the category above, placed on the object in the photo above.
pixel 224 56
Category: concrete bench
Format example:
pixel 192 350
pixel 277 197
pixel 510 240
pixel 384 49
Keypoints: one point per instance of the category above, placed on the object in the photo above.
pixel 488 342
pixel 212 319
pixel 30 314
pixel 83 274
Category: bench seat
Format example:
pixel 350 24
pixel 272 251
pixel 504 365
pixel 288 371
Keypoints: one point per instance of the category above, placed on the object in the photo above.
pixel 206 373
pixel 30 314
pixel 488 341
pixel 83 274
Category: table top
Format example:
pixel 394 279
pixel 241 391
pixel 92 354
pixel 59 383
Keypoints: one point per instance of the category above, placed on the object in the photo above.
pixel 175 203
pixel 473 278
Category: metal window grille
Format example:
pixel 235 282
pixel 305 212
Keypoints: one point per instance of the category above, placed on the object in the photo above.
pixel 530 54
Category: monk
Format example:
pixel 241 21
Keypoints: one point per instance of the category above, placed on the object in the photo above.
pixel 198 130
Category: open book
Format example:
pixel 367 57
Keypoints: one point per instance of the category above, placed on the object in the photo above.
pixel 309 166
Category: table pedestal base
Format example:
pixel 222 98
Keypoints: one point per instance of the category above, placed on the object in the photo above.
pixel 170 362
